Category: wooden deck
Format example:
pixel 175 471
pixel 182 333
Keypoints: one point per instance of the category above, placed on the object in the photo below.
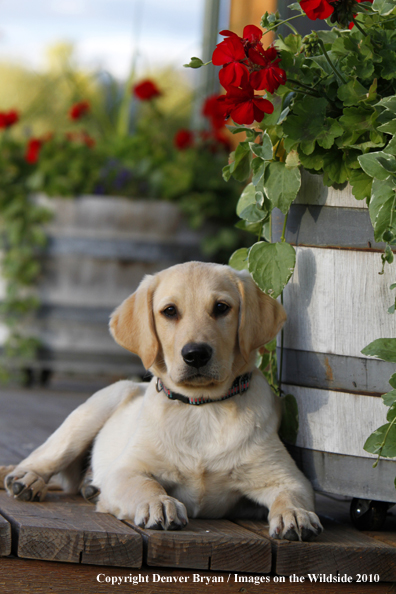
pixel 226 556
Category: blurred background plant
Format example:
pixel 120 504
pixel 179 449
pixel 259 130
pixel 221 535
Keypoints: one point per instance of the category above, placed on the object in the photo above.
pixel 79 133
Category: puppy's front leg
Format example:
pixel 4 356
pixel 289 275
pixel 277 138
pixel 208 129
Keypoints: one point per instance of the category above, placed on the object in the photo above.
pixel 29 480
pixel 138 496
pixel 284 490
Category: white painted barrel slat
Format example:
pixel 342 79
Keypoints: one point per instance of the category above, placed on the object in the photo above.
pixel 320 406
pixel 337 303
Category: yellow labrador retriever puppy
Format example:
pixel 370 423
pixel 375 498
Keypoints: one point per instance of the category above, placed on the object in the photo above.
pixel 200 440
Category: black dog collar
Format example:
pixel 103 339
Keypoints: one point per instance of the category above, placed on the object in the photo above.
pixel 240 385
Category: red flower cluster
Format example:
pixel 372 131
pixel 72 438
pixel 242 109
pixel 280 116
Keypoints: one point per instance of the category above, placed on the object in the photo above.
pixel 247 67
pixel 317 9
pixel 322 9
pixel 78 110
pixel 33 150
pixel 146 90
pixel 8 118
pixel 82 137
pixel 183 139
pixel 213 111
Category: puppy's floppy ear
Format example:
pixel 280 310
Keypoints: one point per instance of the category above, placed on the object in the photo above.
pixel 132 323
pixel 260 316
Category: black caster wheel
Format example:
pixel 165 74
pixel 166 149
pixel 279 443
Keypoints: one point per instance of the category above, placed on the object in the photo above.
pixel 367 514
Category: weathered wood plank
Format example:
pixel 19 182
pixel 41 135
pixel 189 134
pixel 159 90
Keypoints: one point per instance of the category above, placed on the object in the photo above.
pixel 353 476
pixel 313 191
pixel 28 418
pixel 66 528
pixel 5 537
pixel 39 577
pixel 339 550
pixel 205 544
pixel 325 305
pixel 320 412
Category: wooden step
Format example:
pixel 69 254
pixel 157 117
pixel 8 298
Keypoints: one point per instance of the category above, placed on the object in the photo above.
pixel 5 538
pixel 208 544
pixel 66 528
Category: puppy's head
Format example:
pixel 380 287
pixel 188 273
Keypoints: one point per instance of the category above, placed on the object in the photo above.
pixel 197 325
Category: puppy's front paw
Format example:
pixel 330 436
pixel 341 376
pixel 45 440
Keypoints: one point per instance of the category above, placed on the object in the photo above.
pixel 295 524
pixel 26 485
pixel 162 513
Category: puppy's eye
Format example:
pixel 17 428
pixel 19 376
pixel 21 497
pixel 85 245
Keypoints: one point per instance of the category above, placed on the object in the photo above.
pixel 170 311
pixel 220 308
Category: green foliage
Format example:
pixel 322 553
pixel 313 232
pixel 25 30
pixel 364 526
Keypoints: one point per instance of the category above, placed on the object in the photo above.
pixel 336 117
pixel 382 441
pixel 288 429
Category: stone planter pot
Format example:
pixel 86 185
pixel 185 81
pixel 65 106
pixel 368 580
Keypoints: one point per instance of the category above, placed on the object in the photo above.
pixel 98 251
pixel 337 304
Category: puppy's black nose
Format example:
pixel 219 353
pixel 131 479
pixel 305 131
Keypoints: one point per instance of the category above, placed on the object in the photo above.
pixel 196 354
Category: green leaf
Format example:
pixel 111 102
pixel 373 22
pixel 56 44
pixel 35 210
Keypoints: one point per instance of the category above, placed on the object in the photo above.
pixel 253 214
pixel 352 93
pixel 361 184
pixel 391 413
pixel 239 129
pixel 305 123
pixel 374 442
pixel 388 103
pixel 357 121
pixel 258 169
pixel 288 429
pixel 271 266
pixel 241 170
pixel 282 184
pixel 391 147
pixel 371 165
pixel 382 348
pixel 292 43
pixel 388 163
pixel 194 63
pixel 292 159
pixel 238 259
pixel 247 198
pixel 381 207
pixel 254 228
pixel 384 7
pixel 227 172
pixel 334 166
pixel 389 127
pixel 392 380
pixel 389 398
pixel 264 150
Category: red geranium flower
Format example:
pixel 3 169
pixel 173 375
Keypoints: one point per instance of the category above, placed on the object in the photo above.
pixel 78 110
pixel 212 110
pixel 8 118
pixel 146 90
pixel 183 139
pixel 270 76
pixel 243 106
pixel 316 9
pixel 33 150
pixel 230 54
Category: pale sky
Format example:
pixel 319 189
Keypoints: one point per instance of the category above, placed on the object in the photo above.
pixel 106 33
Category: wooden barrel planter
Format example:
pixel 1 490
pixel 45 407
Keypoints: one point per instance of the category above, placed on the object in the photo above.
pixel 337 304
pixel 99 249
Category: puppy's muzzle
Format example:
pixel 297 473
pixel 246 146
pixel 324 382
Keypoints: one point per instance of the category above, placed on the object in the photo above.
pixel 196 354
